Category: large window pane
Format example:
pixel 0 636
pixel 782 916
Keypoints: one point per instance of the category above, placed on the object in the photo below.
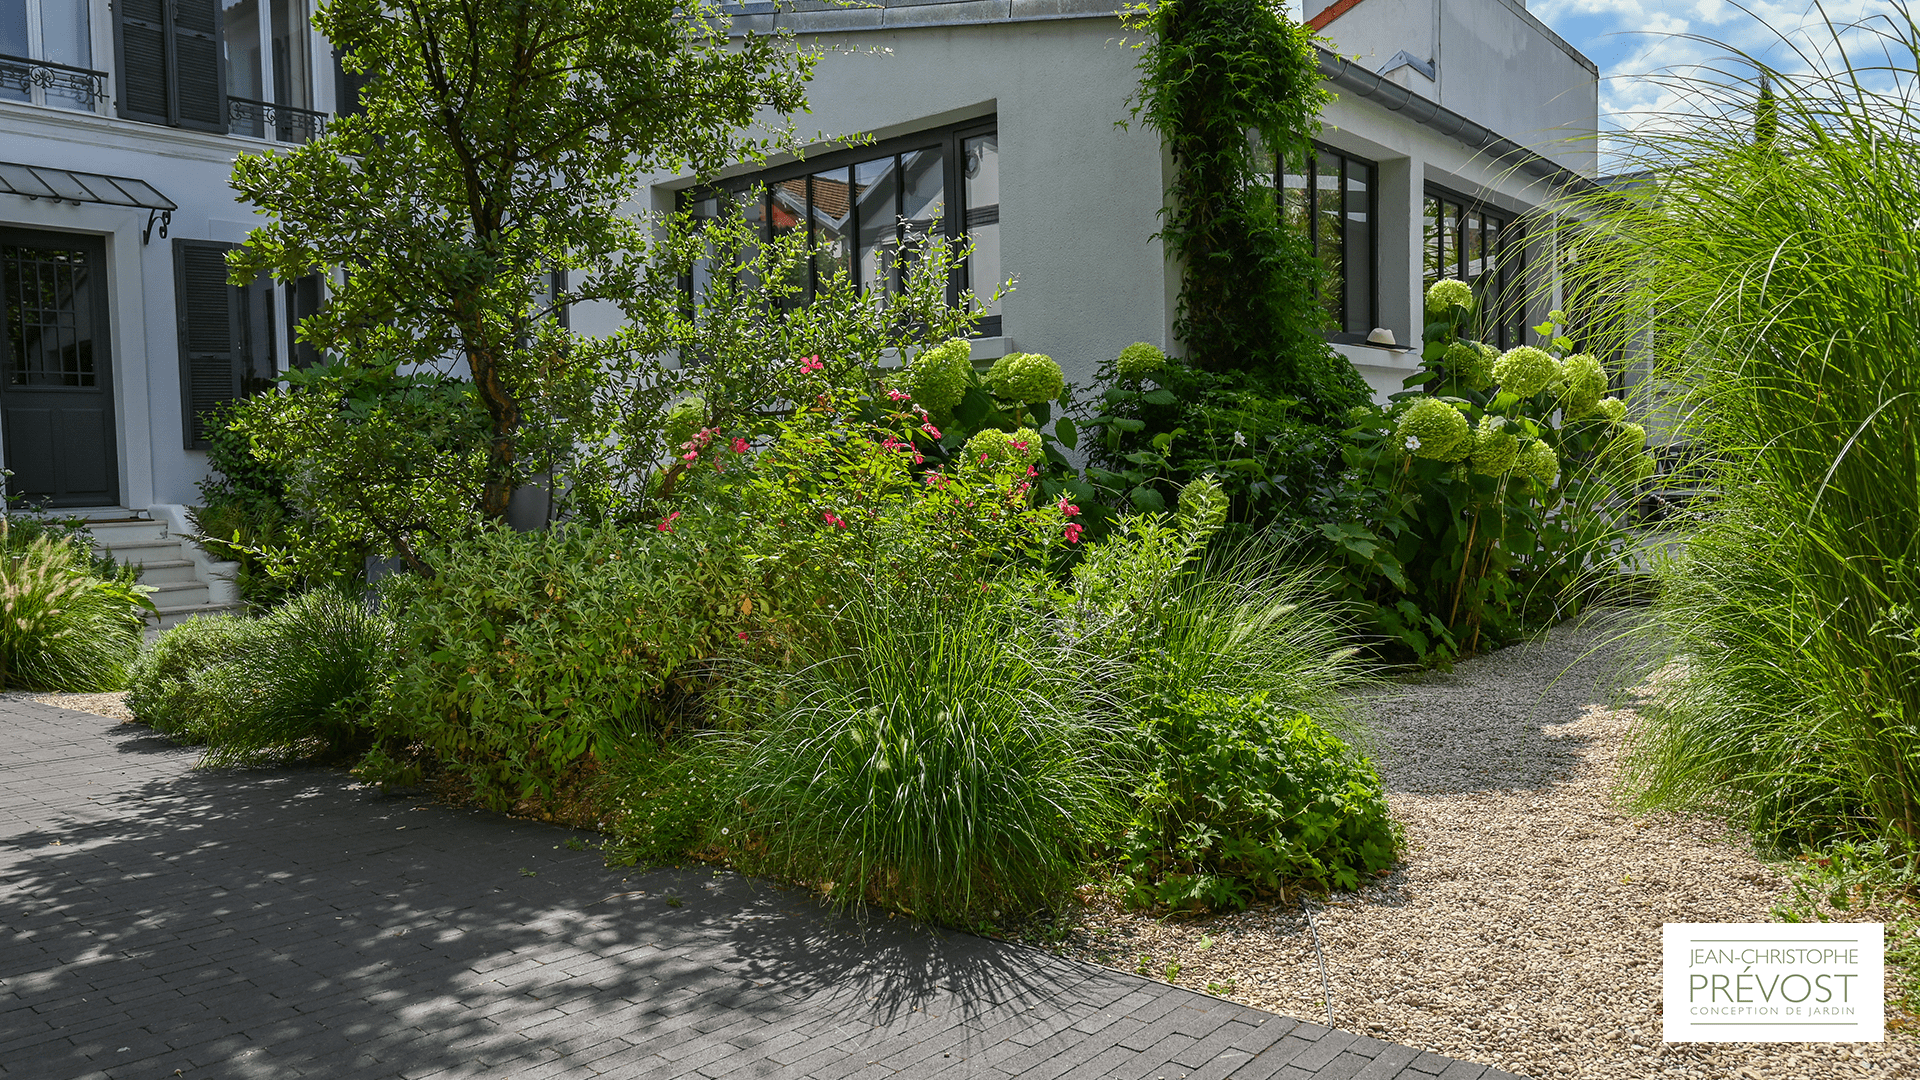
pixel 832 215
pixel 983 220
pixel 1432 262
pixel 1329 237
pixel 876 187
pixel 292 54
pixel 1359 248
pixel 49 317
pixel 787 217
pixel 241 38
pixel 66 39
pixel 13 42
pixel 923 201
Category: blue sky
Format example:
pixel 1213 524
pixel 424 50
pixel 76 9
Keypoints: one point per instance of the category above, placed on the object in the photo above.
pixel 1634 39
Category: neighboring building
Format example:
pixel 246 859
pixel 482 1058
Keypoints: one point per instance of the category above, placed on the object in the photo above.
pixel 119 124
pixel 1001 118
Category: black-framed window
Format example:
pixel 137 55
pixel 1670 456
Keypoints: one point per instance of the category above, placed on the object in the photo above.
pixel 1483 246
pixel 1333 197
pixel 863 209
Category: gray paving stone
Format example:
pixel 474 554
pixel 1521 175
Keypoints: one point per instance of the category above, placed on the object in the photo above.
pixel 284 922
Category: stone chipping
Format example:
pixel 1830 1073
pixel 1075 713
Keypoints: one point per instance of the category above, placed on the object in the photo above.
pixel 1522 928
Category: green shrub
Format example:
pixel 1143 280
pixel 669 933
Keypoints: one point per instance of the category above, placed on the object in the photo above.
pixel 303 682
pixel 528 651
pixel 946 766
pixel 1239 795
pixel 299 682
pixel 62 626
pixel 164 688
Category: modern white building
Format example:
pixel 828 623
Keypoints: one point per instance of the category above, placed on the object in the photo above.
pixel 119 123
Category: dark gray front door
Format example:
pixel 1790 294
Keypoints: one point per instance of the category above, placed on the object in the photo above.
pixel 56 391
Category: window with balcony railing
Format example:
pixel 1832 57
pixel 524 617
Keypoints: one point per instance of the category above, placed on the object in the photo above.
pixel 46 55
pixel 268 51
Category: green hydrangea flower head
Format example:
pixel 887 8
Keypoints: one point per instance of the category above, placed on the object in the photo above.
pixel 937 378
pixel 686 417
pixel 1525 370
pixel 1494 449
pixel 1611 409
pixel 1471 363
pixel 1025 377
pixel 995 449
pixel 1431 428
pixel 1623 441
pixel 1201 504
pixel 1642 469
pixel 1449 293
pixel 1367 415
pixel 1582 383
pixel 1139 360
pixel 1538 461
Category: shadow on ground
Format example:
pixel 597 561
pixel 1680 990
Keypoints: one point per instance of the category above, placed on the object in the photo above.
pixel 159 917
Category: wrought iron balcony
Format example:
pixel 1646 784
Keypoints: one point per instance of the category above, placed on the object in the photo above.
pixel 59 82
pixel 264 119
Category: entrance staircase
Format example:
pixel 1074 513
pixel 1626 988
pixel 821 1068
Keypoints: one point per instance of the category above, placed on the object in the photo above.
pixel 186 581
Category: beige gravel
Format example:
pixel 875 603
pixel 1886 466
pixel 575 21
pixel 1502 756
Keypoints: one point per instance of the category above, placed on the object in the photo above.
pixel 113 706
pixel 1522 929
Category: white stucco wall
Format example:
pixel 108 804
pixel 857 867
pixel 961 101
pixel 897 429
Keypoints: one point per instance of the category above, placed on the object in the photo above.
pixel 1496 64
pixel 1078 195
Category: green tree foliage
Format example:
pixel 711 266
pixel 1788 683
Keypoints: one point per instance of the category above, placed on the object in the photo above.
pixel 1212 73
pixel 499 142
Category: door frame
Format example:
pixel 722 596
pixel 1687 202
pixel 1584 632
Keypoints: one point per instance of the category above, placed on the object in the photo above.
pixel 95 245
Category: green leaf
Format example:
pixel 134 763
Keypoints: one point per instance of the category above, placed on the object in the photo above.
pixel 1159 396
pixel 1146 499
pixel 1067 433
pixel 1128 424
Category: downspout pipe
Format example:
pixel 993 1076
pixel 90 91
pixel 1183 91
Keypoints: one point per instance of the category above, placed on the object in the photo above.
pixel 1358 81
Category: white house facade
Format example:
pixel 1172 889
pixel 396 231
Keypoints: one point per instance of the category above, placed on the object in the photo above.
pixel 119 124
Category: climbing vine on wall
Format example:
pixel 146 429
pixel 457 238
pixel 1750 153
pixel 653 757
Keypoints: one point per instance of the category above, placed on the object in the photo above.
pixel 1227 84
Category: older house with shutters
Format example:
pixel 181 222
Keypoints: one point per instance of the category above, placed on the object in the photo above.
pixel 120 120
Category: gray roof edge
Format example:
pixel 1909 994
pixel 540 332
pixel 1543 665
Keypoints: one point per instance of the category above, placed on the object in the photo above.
pixel 1393 97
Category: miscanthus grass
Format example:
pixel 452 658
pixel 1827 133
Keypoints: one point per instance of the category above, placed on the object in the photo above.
pixel 1765 270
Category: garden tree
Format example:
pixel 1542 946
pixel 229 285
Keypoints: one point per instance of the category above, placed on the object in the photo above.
pixel 496 145
pixel 1213 73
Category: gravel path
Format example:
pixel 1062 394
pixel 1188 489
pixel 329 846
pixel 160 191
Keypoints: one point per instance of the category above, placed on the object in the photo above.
pixel 1522 928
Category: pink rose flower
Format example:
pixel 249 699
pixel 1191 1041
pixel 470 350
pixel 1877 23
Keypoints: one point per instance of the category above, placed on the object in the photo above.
pixel 667 525
pixel 1073 531
pixel 740 445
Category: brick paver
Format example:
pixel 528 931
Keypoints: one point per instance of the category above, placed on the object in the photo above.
pixel 160 921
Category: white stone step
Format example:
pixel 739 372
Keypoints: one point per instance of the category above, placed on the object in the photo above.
pixel 174 594
pixel 114 534
pixel 142 552
pixel 171 617
pixel 163 571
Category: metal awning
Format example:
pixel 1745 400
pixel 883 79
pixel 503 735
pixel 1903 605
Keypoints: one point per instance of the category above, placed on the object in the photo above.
pixel 66 185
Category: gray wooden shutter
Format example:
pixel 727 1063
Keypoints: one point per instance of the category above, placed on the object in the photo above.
pixel 212 334
pixel 170 63
pixel 140 36
pixel 199 78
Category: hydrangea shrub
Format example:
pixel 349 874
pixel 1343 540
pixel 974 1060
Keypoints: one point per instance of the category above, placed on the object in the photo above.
pixel 1493 482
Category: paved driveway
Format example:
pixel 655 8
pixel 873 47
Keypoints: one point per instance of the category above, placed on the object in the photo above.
pixel 160 922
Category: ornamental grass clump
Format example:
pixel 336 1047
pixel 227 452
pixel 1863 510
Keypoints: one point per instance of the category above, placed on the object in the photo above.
pixel 62 626
pixel 950 765
pixel 1770 278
